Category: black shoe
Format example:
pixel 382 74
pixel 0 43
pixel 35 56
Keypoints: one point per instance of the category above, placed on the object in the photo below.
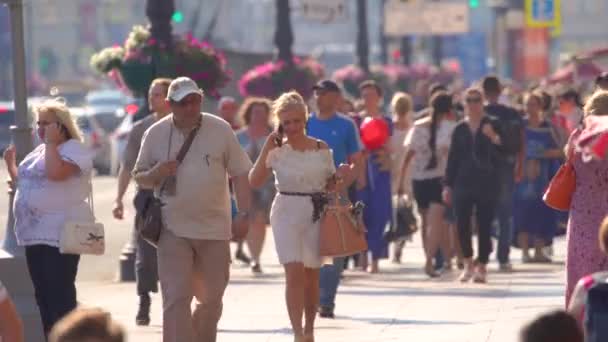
pixel 143 314
pixel 325 312
pixel 242 257
pixel 256 268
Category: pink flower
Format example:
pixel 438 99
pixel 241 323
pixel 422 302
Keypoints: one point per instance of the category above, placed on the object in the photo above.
pixel 200 76
pixel 152 41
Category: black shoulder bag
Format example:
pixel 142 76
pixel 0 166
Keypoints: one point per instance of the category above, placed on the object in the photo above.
pixel 150 224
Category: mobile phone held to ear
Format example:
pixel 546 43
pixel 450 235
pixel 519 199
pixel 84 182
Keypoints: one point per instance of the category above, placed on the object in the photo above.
pixel 279 140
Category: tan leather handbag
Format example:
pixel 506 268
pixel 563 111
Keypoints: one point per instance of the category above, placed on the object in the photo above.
pixel 342 229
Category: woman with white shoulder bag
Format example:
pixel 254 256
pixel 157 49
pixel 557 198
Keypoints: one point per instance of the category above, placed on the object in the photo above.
pixel 53 219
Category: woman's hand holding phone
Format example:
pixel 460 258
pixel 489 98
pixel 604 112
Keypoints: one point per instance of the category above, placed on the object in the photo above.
pixel 273 141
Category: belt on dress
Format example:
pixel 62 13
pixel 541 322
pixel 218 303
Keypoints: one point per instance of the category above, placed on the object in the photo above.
pixel 319 201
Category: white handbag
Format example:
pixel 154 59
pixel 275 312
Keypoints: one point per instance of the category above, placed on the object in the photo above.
pixel 83 237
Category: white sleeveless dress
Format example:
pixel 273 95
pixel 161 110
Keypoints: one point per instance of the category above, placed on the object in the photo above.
pixel 296 236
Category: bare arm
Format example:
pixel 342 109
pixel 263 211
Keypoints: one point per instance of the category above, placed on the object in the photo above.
pixel 355 162
pixel 242 191
pixel 124 178
pixel 148 173
pixel 406 163
pixel 152 178
pixel 11 326
pixel 554 153
pixel 57 169
pixel 10 159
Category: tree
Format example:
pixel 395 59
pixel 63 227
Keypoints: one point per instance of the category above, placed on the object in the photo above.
pixel 283 35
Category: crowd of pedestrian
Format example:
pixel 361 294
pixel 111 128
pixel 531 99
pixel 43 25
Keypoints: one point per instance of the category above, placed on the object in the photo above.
pixel 470 164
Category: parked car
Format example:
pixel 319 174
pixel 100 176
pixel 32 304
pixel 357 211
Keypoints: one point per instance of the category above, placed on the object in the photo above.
pixel 97 124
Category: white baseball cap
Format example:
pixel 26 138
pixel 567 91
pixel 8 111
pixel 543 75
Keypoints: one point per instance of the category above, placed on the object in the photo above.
pixel 182 87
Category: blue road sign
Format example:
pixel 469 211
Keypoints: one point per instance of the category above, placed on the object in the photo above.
pixel 543 10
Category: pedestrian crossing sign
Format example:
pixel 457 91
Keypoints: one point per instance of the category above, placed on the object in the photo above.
pixel 543 13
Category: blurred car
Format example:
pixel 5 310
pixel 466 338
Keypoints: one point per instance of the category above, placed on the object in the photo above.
pixel 97 124
pixel 107 98
pixel 7 119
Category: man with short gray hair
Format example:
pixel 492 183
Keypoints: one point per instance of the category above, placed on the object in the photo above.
pixel 227 109
pixel 193 250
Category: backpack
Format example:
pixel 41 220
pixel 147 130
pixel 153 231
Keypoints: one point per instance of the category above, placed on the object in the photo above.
pixel 510 127
pixel 596 311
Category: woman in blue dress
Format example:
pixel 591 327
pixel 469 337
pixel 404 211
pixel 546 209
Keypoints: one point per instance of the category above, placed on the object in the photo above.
pixel 255 114
pixel 535 223
pixel 377 191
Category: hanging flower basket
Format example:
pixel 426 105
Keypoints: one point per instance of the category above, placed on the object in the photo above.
pixel 142 59
pixel 398 76
pixel 352 75
pixel 275 77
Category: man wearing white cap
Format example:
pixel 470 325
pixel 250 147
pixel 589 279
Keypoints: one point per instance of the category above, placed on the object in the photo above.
pixel 193 250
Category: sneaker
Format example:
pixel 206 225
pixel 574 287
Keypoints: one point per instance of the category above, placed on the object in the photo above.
pixel 505 267
pixel 143 314
pixel 326 312
pixel 526 259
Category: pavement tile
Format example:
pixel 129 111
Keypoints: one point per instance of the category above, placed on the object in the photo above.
pixel 400 304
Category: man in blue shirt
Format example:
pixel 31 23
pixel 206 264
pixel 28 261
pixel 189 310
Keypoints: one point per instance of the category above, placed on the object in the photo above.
pixel 342 136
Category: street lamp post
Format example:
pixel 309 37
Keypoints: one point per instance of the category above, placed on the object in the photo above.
pixel 22 132
pixel 13 268
pixel 283 34
pixel 362 36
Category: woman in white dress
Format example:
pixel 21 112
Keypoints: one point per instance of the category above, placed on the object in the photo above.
pixel 303 169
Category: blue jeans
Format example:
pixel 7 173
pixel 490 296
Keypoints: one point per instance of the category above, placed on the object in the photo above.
pixel 329 279
pixel 504 215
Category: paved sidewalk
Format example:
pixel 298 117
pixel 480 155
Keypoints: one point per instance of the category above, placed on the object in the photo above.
pixel 400 304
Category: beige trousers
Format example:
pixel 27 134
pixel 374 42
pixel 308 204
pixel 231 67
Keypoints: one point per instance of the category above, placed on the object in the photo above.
pixel 192 268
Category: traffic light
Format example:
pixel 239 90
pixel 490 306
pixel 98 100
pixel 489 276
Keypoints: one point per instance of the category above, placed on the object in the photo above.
pixel 178 17
pixel 473 3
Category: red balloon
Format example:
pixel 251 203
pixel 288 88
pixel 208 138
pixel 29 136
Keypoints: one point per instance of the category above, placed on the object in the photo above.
pixel 374 133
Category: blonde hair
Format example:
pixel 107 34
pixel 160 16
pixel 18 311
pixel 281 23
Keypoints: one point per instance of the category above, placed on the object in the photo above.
pixel 401 103
pixel 87 325
pixel 289 101
pixel 474 90
pixel 58 108
pixel 597 104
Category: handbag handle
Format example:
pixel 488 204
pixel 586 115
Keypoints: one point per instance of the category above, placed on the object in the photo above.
pixel 182 151
pixel 91 203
